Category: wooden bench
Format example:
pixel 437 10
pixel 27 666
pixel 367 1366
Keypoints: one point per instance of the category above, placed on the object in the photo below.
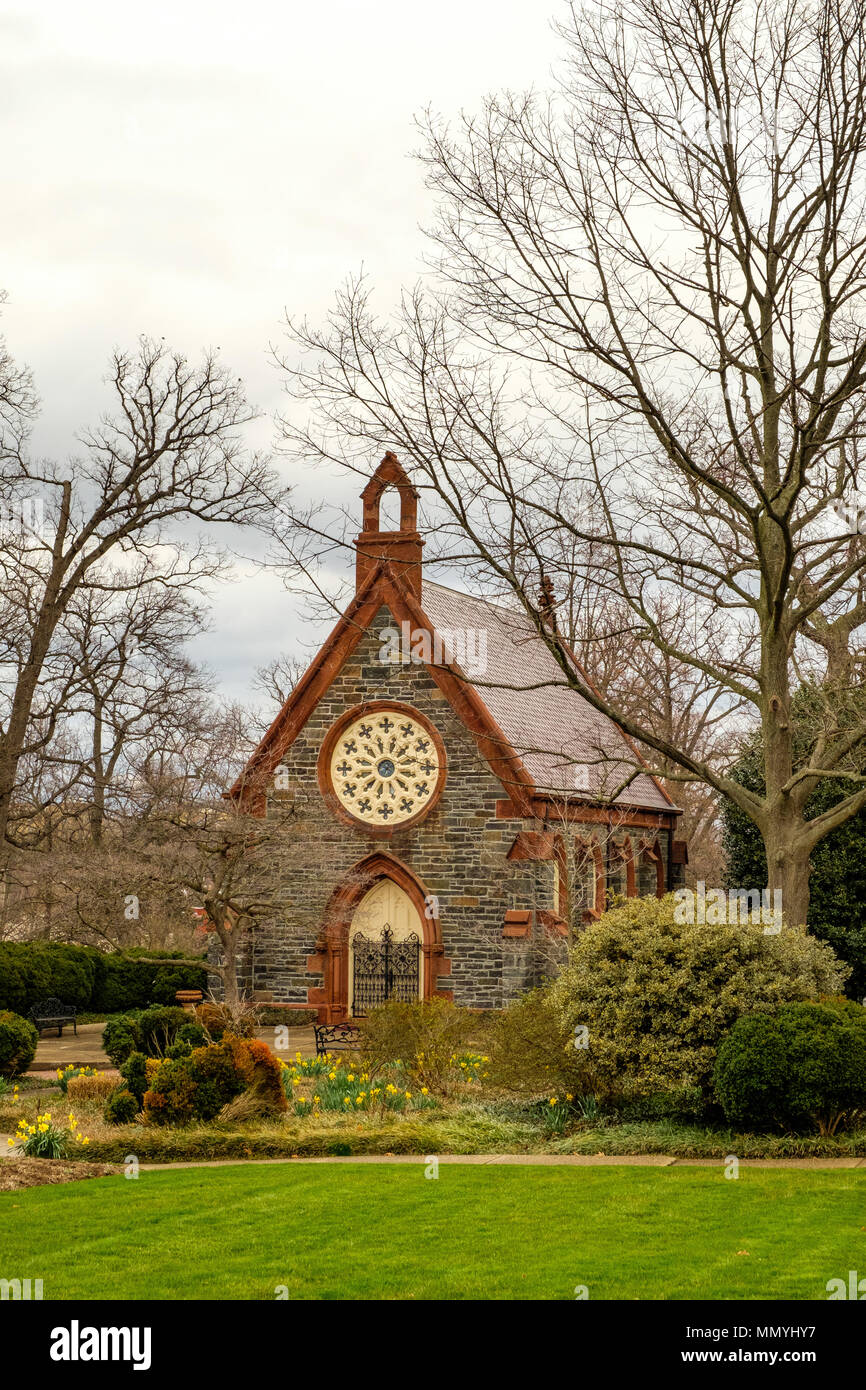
pixel 336 1037
pixel 51 1013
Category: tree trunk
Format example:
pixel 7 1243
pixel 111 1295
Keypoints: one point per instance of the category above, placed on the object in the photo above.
pixel 788 870
pixel 231 994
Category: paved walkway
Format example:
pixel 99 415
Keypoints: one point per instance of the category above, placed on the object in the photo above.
pixel 532 1161
pixel 85 1050
pixel 502 1160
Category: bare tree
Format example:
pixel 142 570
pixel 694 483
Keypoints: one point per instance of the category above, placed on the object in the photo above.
pixel 275 681
pixel 649 290
pixel 204 846
pixel 136 685
pixel 170 455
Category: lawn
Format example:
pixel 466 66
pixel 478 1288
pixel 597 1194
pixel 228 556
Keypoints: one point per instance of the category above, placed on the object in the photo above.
pixel 385 1231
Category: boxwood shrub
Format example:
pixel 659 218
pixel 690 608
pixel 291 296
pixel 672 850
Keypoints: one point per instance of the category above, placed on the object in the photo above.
pixel 801 1067
pixel 18 1039
pixel 121 1107
pixel 152 1032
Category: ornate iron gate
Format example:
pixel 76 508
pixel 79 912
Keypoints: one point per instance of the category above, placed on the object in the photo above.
pixel 384 968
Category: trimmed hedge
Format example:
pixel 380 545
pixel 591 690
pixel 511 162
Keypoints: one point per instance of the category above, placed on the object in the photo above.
pixel 89 979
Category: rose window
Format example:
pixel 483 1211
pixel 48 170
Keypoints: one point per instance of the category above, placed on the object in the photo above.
pixel 385 768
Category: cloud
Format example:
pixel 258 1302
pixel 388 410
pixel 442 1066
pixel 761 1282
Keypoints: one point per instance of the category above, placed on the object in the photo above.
pixel 191 170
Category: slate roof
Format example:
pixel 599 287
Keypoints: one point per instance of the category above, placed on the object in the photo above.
pixel 566 745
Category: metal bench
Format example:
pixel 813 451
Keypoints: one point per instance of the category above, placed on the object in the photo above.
pixel 52 1013
pixel 336 1037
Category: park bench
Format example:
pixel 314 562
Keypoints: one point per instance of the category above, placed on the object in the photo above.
pixel 336 1037
pixel 51 1013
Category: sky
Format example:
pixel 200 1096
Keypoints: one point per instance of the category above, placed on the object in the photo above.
pixel 192 171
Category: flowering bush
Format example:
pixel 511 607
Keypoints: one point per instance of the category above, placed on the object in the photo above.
pixel 45 1139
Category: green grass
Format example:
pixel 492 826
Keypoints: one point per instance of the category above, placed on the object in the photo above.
pixel 385 1232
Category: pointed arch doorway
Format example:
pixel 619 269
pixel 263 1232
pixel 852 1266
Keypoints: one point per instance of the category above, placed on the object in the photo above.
pixel 385 938
pixel 391 895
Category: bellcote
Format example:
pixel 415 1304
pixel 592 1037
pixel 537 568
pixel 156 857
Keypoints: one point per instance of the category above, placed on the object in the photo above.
pixel 401 548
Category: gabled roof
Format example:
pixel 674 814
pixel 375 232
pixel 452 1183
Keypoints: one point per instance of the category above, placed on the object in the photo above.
pixel 534 731
pixel 560 738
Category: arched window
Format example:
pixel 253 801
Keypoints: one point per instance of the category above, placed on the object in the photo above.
pixel 588 877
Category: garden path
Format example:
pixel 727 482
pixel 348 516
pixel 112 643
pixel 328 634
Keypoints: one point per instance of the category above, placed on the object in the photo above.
pixel 85 1050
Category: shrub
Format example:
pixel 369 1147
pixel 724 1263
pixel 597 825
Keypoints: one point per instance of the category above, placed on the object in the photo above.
pixel 14 982
pixel 425 1036
pixel 96 1086
pixel 159 1028
pixel 120 1037
pixel 198 1086
pixel 132 981
pixel 266 1083
pixel 152 1032
pixel 657 996
pixel 800 1066
pixel 18 1039
pixel 134 1073
pixel 218 1019
pixel 532 1051
pixel 194 1087
pixel 89 979
pixel 121 1107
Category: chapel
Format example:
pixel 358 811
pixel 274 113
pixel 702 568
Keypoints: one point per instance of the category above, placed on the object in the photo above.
pixel 443 811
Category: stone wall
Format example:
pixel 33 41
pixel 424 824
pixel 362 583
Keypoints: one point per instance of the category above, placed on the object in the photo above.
pixel 459 850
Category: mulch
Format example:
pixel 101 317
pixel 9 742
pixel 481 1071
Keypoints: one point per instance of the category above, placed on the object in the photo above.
pixel 17 1173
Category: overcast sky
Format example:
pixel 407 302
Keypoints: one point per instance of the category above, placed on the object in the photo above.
pixel 191 170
